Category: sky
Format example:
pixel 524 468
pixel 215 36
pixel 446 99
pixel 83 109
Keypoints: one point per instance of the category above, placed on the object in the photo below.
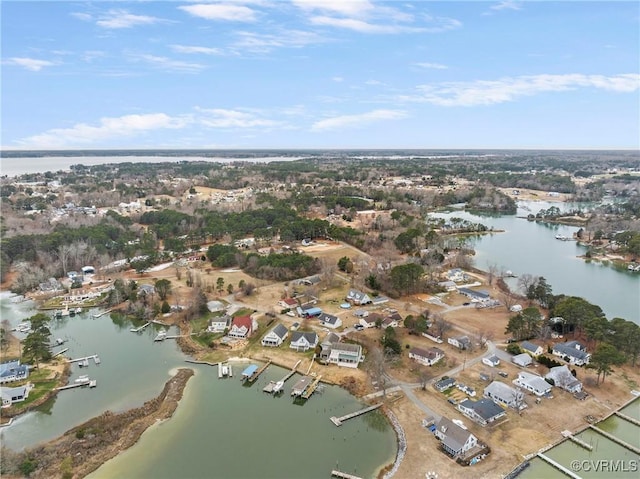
pixel 320 74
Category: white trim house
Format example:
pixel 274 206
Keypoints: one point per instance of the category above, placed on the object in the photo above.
pixel 275 337
pixel 454 440
pixel 330 320
pixel 563 379
pixel 303 341
pixel 531 348
pixel 505 395
pixel 573 352
pixel 532 383
pixel 483 411
pixel 427 357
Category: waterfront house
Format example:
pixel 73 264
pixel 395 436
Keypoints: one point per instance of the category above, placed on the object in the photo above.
pixel 454 440
pixel 242 327
pixel 370 320
pixel 275 337
pixel 563 379
pixel 483 411
pixel 218 324
pixel 330 321
pixel 573 352
pixel 342 354
pixel 532 383
pixel 358 297
pixel 303 341
pixel 444 384
pixel 456 275
pixel 13 371
pixel 523 360
pixel 13 395
pixel 533 349
pixel 428 357
pixel 506 395
pixel 491 361
pixel 475 296
pixel 461 342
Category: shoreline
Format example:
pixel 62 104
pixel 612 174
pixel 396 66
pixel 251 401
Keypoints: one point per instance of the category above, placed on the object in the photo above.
pixel 84 448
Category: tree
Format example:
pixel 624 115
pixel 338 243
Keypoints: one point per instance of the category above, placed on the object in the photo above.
pixel 345 264
pixel 220 285
pixel 389 342
pixel 405 278
pixel 576 311
pixel 605 356
pixel 163 288
pixel 526 324
pixel 596 328
pixel 165 308
pixel 441 325
pixel 525 281
pixel 35 346
pixel 540 291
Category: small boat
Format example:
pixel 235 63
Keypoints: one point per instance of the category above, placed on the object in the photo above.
pixel 96 359
pixel 561 237
pixel 82 379
pixel 84 363
pixel 225 369
pixel 162 335
pixel 277 387
pixel 78 310
pixel 72 312
pixel 93 383
pixel 60 341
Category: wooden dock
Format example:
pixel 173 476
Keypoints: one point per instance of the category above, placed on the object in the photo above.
pixel 74 385
pixel 93 356
pixel 558 466
pixel 137 330
pixel 577 440
pixel 311 388
pixel 276 386
pixel 255 375
pixel 616 439
pixel 301 385
pixel 339 420
pixel 632 420
pixel 60 352
pixel 96 316
pixel 343 475
pixel 192 361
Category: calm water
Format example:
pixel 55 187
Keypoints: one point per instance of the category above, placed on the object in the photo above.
pixel 531 248
pixel 240 431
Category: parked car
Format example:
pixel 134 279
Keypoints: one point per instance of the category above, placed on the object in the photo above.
pixel 503 374
pixel 358 327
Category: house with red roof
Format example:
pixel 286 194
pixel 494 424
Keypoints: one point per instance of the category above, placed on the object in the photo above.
pixel 242 327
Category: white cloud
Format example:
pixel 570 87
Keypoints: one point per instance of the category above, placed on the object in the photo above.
pixel 196 49
pixel 374 83
pixel 506 5
pixel 362 26
pixel 221 11
pixel 489 92
pixel 433 66
pixel 116 19
pixel 338 79
pixel 83 134
pixel 222 118
pixel 31 64
pixel 343 7
pixel 167 64
pixel 263 42
pixel 85 17
pixel 347 121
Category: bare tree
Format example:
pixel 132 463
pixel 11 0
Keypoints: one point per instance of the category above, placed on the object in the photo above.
pixel 377 367
pixel 525 281
pixel 484 337
pixel 508 300
pixel 492 270
pixel 440 325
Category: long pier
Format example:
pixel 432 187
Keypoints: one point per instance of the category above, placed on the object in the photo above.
pixel 60 352
pixel 343 475
pixel 97 315
pixel 193 361
pixel 93 356
pixel 558 466
pixel 577 440
pixel 137 330
pixel 615 439
pixel 88 382
pixel 339 420
pixel 255 375
pixel 632 420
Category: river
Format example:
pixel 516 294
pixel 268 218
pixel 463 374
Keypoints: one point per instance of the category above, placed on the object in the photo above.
pixel 220 425
pixel 527 247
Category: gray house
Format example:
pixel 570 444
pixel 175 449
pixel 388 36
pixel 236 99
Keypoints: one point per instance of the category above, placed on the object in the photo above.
pixel 523 360
pixel 303 341
pixel 454 439
pixel 482 411
pixel 563 379
pixel 573 352
pixel 505 394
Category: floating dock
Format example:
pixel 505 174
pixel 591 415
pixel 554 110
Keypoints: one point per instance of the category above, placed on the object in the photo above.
pixel 577 440
pixel 339 420
pixel 343 475
pixel 92 383
pixel 60 352
pixel 93 356
pixel 615 439
pixel 558 466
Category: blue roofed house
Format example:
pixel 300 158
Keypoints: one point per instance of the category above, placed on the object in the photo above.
pixel 311 312
pixel 13 371
pixel 330 321
pixel 303 341
pixel 275 337
pixel 483 411
pixel 573 352
pixel 531 348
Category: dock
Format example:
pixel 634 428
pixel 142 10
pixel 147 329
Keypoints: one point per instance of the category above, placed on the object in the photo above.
pixel 343 475
pixel 93 356
pixel 275 387
pixel 339 420
pixel 577 440
pixel 60 352
pixel 97 315
pixel 615 439
pixel 137 330
pixel 192 361
pixel 311 389
pixel 92 383
pixel 558 466
pixel 301 385
pixel 258 372
pixel 632 420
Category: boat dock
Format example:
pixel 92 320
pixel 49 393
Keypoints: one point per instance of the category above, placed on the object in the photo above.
pixel 82 360
pixel 339 420
pixel 311 389
pixel 558 466
pixel 616 439
pixel 343 475
pixel 224 369
pixel 97 315
pixel 60 352
pixel 577 440
pixel 632 420
pixel 276 386
pixel 137 330
pixel 256 373
pixel 92 383
pixel 301 385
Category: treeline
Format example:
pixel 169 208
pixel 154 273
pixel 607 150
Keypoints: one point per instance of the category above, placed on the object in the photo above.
pixel 540 181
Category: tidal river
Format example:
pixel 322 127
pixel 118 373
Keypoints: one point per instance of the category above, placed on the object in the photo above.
pixel 220 429
pixel 531 248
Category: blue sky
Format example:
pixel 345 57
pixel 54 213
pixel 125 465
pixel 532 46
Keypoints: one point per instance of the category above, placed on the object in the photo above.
pixel 320 74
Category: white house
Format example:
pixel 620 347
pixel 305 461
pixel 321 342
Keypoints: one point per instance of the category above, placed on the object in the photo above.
pixel 532 383
pixel 456 275
pixel 12 395
pixel 218 324
pixel 573 352
pixel 455 440
pixel 523 360
pixel 483 411
pixel 370 320
pixel 358 297
pixel 288 303
pixel 461 342
pixel 215 306
pixel 505 394
pixel 531 348
pixel 563 379
pixel 13 371
pixel 491 361
pixel 301 341
pixel 242 327
pixel 275 337
pixel 330 321
pixel 428 357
